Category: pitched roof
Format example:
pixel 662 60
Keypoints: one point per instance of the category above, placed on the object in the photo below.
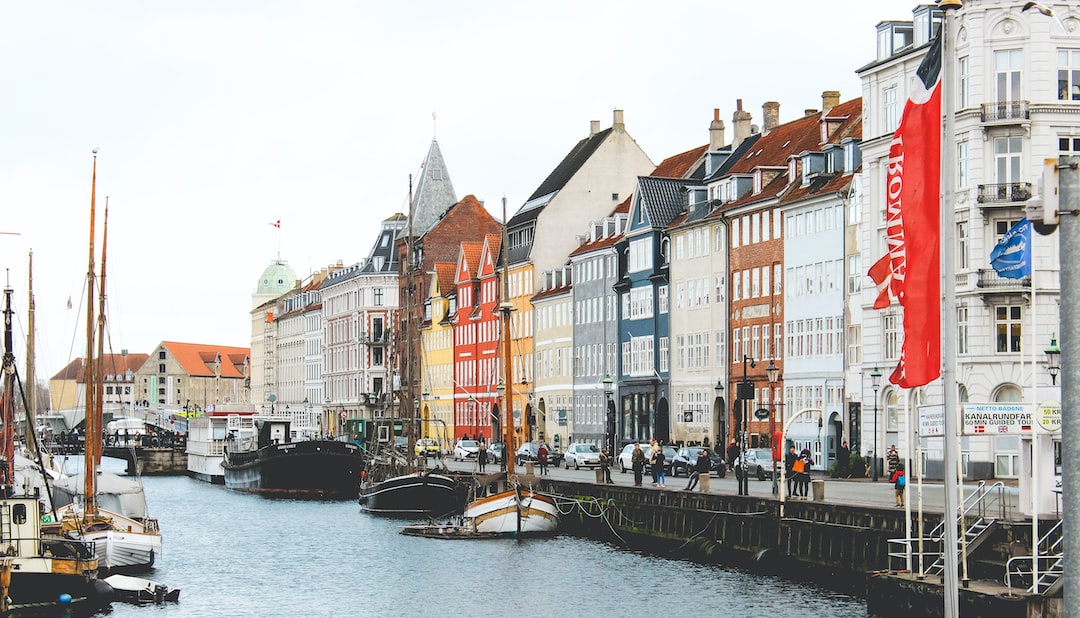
pixel 195 358
pixel 113 365
pixel 680 165
pixel 433 194
pixel 662 198
pixel 608 239
pixel 445 272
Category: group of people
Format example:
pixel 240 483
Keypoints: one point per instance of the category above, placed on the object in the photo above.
pixel 655 457
pixel 797 471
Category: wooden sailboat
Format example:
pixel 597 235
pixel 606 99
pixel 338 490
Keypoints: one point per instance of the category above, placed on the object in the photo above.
pixel 37 571
pixel 121 543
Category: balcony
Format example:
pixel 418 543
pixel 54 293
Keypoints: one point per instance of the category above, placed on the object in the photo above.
pixel 1004 193
pixel 990 282
pixel 1005 112
pixel 382 338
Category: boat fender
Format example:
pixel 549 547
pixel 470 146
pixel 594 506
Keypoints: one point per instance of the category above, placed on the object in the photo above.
pixel 64 597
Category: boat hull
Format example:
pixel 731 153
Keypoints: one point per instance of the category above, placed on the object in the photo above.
pixel 39 591
pixel 310 468
pixel 412 495
pixel 501 513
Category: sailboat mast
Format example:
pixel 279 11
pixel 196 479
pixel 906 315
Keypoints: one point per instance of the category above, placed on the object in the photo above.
pixel 31 377
pixel 90 458
pixel 7 432
pixel 410 325
pixel 505 308
pixel 99 384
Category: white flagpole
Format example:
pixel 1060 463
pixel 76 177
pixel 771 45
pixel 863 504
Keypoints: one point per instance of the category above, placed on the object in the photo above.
pixel 948 309
pixel 1034 434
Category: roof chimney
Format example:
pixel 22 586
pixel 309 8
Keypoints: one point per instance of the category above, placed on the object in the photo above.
pixel 617 120
pixel 716 131
pixel 741 120
pixel 830 99
pixel 809 111
pixel 771 110
pixel 594 127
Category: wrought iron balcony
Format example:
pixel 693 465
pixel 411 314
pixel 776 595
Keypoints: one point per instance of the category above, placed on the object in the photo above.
pixel 1004 193
pixel 990 281
pixel 377 339
pixel 1005 111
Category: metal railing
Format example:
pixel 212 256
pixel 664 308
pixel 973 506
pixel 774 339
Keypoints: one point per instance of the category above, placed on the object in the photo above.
pixel 1000 111
pixel 1050 555
pixel 989 279
pixel 1004 192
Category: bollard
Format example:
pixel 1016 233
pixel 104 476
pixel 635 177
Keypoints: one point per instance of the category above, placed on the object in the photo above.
pixel 703 482
pixel 599 476
pixel 529 467
pixel 819 491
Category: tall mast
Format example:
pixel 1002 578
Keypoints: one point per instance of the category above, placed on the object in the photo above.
pixel 410 327
pixel 505 307
pixel 90 458
pixel 31 377
pixel 99 384
pixel 7 431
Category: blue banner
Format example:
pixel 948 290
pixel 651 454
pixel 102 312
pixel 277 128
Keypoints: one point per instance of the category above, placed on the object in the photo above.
pixel 1011 257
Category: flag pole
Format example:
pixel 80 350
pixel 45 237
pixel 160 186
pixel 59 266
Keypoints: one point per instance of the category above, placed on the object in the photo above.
pixel 948 309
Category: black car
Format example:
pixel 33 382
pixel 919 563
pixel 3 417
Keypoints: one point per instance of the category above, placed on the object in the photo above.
pixel 527 452
pixel 684 460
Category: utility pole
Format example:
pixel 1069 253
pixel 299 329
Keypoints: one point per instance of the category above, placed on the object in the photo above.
pixel 1066 212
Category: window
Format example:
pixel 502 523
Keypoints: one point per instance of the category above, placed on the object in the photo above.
pixel 1007 154
pixel 890 110
pixel 854 344
pixel 962 92
pixel 1008 63
pixel 734 233
pixel 377 297
pixel 1069 145
pixel 736 282
pixel 855 274
pixel 962 246
pixel 1007 322
pixel 777 271
pixel 1069 75
pixel 640 254
pixel 961 329
pixel 962 177
pixel 890 327
pixel 662 293
pixel 1001 227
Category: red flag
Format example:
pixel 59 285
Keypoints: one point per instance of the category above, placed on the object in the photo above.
pixel 911 270
pixel 276 224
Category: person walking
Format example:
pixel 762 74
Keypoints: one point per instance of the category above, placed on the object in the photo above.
pixel 899 481
pixel 893 459
pixel 843 461
pixel 542 458
pixel 605 466
pixel 637 461
pixel 654 448
pixel 804 476
pixel 701 466
pixel 482 456
pixel 789 469
pixel 732 453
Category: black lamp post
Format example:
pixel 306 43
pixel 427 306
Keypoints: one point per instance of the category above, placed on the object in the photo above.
pixel 875 383
pixel 721 443
pixel 745 393
pixel 1053 353
pixel 774 373
pixel 609 387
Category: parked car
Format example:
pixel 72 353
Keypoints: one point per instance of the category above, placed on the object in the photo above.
pixel 427 447
pixel 627 453
pixel 527 452
pixel 581 454
pixel 495 452
pixel 759 463
pixel 401 444
pixel 686 457
pixel 466 449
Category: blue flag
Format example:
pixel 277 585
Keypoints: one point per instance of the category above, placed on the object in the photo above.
pixel 1011 257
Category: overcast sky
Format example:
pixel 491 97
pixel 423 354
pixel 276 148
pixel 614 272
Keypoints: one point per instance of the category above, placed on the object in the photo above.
pixel 213 119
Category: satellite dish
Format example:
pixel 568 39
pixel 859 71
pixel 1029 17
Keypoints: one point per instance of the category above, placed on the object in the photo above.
pixel 271 398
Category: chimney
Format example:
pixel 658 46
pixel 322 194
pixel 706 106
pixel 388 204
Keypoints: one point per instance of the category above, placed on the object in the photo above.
pixel 830 99
pixel 716 131
pixel 594 127
pixel 741 120
pixel 771 110
pixel 809 111
pixel 617 120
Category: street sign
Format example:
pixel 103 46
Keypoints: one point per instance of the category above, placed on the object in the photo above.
pixel 342 415
pixel 761 414
pixel 996 418
pixel 931 421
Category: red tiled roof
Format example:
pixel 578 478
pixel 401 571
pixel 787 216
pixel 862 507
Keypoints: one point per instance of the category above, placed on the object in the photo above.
pixel 470 252
pixel 113 364
pixel 678 166
pixel 446 273
pixel 194 358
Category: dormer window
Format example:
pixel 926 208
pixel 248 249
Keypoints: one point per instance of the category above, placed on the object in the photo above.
pixel 757 181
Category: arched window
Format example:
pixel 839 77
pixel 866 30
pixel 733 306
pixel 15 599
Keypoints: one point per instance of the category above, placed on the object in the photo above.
pixel 1008 393
pixel 892 410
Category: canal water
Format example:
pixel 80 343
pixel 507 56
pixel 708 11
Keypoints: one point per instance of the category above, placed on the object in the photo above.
pixel 234 554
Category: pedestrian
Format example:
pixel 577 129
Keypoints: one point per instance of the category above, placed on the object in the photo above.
pixel 893 458
pixel 658 466
pixel 654 448
pixel 542 458
pixel 899 481
pixel 701 466
pixel 804 474
pixel 482 456
pixel 789 469
pixel 605 466
pixel 843 461
pixel 637 461
pixel 732 453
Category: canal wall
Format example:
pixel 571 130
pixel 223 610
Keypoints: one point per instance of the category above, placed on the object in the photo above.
pixel 842 547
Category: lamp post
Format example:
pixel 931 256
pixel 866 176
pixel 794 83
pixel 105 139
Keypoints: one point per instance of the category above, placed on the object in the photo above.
pixel 774 373
pixel 745 393
pixel 720 443
pixel 609 388
pixel 1053 353
pixel 875 383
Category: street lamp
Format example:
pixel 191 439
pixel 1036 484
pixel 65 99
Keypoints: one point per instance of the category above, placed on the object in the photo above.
pixel 1052 354
pixel 722 435
pixel 609 388
pixel 875 383
pixel 774 373
pixel 744 393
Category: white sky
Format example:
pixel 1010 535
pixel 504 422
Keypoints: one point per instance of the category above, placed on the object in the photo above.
pixel 213 119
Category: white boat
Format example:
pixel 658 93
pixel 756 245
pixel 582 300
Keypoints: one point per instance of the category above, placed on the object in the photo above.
pixel 207 439
pixel 140 591
pixel 121 544
pixel 514 512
